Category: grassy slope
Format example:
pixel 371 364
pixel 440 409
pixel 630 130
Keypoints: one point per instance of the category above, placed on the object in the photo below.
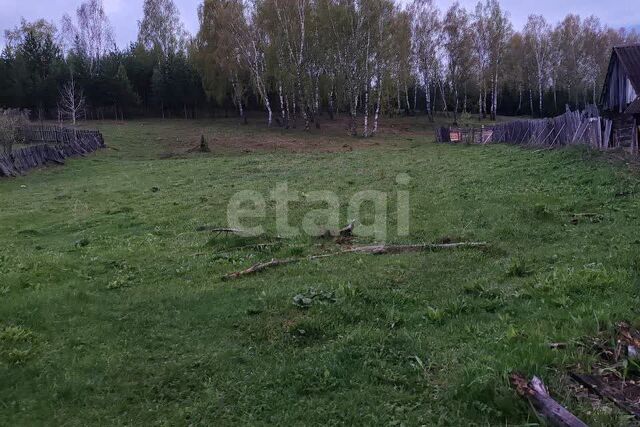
pixel 113 312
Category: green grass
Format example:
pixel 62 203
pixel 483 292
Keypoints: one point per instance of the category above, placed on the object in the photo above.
pixel 113 312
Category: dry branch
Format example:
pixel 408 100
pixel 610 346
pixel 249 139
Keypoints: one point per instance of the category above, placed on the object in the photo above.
pixel 547 409
pixel 220 230
pixel 399 249
pixel 607 392
pixel 371 250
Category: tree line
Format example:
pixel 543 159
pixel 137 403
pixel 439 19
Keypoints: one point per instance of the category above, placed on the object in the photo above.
pixel 297 60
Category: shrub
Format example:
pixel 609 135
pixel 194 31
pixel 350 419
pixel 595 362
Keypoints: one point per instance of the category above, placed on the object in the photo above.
pixel 11 123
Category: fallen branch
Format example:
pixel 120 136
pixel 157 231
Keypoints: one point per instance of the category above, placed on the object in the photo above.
pixel 401 249
pixel 371 250
pixel 218 229
pixel 605 391
pixel 260 267
pixel 545 408
pixel 256 268
pixel 221 230
pixel 224 230
pixel 586 215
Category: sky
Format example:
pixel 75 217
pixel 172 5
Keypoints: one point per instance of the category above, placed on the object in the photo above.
pixel 125 14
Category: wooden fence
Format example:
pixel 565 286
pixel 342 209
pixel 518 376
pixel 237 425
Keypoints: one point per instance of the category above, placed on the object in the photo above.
pixel 51 134
pixel 49 145
pixel 573 127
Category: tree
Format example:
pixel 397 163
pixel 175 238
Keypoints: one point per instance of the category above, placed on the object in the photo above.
pixel 457 44
pixel 219 60
pixel 426 39
pixel 124 94
pixel 92 35
pixel 537 33
pixel 159 88
pixel 161 28
pixel 40 29
pixel 11 123
pixel 249 42
pixel 497 31
pixel 37 64
pixel 72 101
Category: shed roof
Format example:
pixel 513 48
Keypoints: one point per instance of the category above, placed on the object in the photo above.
pixel 629 57
pixel 634 107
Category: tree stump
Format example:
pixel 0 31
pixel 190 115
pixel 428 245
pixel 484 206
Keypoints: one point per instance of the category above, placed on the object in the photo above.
pixel 204 147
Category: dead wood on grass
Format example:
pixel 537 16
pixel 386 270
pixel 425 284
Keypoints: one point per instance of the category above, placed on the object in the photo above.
pixel 370 250
pixel 545 407
pixel 615 376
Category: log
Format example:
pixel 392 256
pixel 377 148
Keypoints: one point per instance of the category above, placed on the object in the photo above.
pixel 545 407
pixel 256 268
pixel 220 230
pixel 370 250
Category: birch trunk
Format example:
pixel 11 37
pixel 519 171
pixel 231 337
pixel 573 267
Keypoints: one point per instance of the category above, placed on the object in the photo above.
pixel 367 88
pixel 331 106
pixel 531 101
pixel 444 98
pixel 366 113
pixel 540 94
pixel 455 110
pixel 288 119
pixel 353 113
pixel 377 114
pixel 282 107
pixel 519 98
pixel 494 98
pixel 427 96
pixel 406 98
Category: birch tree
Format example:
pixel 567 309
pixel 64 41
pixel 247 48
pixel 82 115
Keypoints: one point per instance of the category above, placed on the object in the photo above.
pixel 481 48
pixel 498 31
pixel 91 34
pixel 72 101
pixel 457 44
pixel 161 28
pixel 537 35
pixel 427 39
pixel 249 42
pixel 290 31
pixel 219 59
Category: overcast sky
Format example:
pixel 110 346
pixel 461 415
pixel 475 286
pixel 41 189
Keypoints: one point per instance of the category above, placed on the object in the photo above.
pixel 124 14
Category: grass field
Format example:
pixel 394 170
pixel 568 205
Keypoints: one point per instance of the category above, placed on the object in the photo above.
pixel 113 310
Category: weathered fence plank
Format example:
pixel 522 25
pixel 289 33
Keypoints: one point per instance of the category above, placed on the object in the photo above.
pixel 573 127
pixel 49 145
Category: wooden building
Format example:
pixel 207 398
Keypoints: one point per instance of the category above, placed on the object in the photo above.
pixel 620 96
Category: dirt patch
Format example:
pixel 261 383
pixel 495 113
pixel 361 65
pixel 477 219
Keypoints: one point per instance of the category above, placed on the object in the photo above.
pixel 271 143
pixel 331 137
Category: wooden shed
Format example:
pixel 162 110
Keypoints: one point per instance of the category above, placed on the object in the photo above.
pixel 620 100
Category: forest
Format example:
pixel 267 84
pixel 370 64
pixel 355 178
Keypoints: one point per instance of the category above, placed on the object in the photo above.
pixel 295 60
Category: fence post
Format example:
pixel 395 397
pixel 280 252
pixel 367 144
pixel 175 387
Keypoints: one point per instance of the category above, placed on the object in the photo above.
pixel 634 137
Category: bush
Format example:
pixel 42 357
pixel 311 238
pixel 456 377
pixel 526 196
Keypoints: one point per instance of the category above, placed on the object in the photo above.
pixel 11 123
